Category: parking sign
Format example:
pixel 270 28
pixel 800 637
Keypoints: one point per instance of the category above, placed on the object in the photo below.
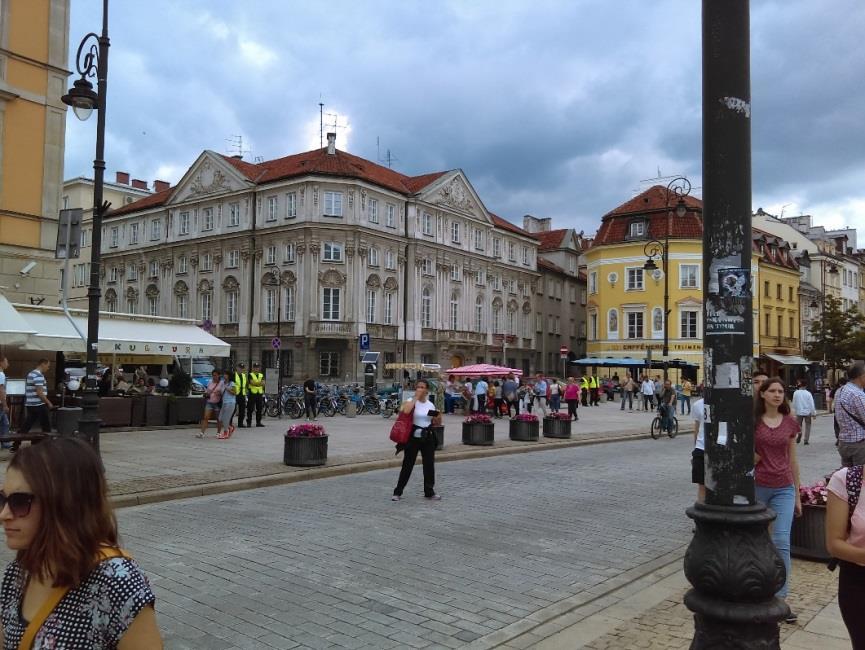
pixel 364 342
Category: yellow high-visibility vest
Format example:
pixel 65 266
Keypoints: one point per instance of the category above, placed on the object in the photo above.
pixel 256 377
pixel 584 383
pixel 593 382
pixel 240 382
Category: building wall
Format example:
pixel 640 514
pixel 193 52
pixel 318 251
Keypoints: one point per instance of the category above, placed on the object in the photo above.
pixel 34 39
pixel 779 309
pixel 559 320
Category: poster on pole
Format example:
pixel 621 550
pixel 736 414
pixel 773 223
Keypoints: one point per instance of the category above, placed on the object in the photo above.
pixel 729 294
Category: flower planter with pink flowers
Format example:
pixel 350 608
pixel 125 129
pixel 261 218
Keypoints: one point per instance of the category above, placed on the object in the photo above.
pixel 524 427
pixel 808 535
pixel 478 430
pixel 305 445
pixel 557 425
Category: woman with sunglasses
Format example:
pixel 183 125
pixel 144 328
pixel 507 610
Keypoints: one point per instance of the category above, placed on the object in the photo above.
pixel 69 586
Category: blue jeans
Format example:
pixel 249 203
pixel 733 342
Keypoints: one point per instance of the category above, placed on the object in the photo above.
pixel 667 413
pixel 783 501
pixel 685 399
pixel 4 423
pixel 627 395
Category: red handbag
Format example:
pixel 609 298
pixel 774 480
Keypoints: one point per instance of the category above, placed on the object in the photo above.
pixel 400 432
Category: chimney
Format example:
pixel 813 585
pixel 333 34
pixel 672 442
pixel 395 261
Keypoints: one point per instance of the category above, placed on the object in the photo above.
pixel 160 186
pixel 123 178
pixel 331 143
pixel 140 185
pixel 238 156
pixel 535 225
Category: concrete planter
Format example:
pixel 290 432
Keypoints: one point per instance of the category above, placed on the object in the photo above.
pixel 522 430
pixel 478 433
pixel 439 433
pixel 138 417
pixel 808 535
pixel 155 410
pixel 185 410
pixel 307 451
pixel 556 428
pixel 115 411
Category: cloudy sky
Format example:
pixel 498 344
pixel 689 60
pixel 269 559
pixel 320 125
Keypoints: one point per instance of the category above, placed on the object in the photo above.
pixel 560 109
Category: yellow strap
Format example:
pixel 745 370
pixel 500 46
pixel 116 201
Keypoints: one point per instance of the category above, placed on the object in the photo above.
pixel 54 598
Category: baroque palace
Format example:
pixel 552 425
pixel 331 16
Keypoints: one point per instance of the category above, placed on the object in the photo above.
pixel 321 247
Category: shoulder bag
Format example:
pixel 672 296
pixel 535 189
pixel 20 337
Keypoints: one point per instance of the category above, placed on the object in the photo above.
pixel 401 429
pixel 54 598
pixel 853 484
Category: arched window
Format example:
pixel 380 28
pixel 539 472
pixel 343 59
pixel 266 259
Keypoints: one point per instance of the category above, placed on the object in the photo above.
pixel 111 300
pixel 512 327
pixel 479 314
pixel 426 307
pixel 497 320
pixel 455 311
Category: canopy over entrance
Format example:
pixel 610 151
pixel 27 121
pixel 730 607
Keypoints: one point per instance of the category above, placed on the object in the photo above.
pixel 49 329
pixel 789 359
pixel 484 370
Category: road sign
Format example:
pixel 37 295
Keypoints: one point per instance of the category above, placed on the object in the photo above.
pixel 276 343
pixel 364 341
pixel 69 234
pixel 563 352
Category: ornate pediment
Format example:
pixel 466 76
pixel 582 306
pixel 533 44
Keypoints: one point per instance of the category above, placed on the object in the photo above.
pixel 391 284
pixel 373 281
pixel 208 181
pixel 205 286
pixel 209 175
pixel 152 291
pixel 230 283
pixel 331 278
pixel 289 278
pixel 180 288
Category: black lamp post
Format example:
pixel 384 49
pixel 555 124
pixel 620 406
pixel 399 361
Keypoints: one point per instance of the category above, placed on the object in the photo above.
pixel 677 188
pixel 833 270
pixel 92 60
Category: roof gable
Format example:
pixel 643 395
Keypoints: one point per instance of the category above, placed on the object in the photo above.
pixel 453 191
pixel 209 174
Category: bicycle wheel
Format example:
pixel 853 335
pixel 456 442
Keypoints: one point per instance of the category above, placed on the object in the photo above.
pixel 294 410
pixel 325 407
pixel 372 406
pixel 674 430
pixel 340 406
pixel 387 411
pixel 272 408
pixel 655 430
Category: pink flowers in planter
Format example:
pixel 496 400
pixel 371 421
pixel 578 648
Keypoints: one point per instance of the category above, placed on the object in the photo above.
pixel 306 430
pixel 559 416
pixel 478 418
pixel 526 417
pixel 813 495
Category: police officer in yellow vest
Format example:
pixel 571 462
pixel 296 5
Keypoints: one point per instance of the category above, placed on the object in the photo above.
pixel 594 384
pixel 584 390
pixel 256 395
pixel 241 381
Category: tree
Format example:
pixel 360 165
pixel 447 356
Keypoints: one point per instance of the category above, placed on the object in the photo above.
pixel 835 336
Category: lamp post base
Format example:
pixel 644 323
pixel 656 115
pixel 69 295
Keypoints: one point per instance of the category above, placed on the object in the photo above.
pixel 736 572
pixel 89 424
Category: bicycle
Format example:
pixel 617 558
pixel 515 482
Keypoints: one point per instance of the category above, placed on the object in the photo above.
pixel 389 405
pixel 655 431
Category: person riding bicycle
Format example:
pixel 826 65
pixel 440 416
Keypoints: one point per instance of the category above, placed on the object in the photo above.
pixel 667 406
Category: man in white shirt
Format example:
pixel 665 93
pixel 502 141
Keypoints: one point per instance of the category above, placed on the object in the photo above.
pixel 541 395
pixel 647 388
pixel 698 460
pixel 481 390
pixel 803 407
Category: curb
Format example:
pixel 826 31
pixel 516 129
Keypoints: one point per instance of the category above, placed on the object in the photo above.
pixel 311 474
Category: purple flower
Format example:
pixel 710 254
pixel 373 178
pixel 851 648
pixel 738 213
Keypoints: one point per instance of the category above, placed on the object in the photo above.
pixel 307 430
pixel 478 418
pixel 526 417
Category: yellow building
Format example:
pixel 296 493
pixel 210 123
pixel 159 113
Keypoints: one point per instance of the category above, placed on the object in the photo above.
pixel 625 309
pixel 34 45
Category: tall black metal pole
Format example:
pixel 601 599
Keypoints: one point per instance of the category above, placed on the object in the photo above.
pixel 88 426
pixel 731 562
pixel 279 336
pixel 666 350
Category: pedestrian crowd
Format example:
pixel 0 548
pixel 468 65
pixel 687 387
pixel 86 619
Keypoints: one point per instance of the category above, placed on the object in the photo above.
pixel 230 393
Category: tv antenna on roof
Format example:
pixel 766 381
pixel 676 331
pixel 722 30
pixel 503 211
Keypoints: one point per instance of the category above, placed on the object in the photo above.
pixel 388 159
pixel 235 146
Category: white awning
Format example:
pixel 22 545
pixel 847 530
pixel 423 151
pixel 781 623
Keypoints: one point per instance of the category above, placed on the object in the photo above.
pixel 121 334
pixel 789 360
pixel 14 329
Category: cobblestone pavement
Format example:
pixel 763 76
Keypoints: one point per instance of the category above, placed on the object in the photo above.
pixel 516 541
pixel 143 461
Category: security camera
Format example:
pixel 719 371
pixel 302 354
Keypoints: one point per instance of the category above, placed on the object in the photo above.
pixel 27 268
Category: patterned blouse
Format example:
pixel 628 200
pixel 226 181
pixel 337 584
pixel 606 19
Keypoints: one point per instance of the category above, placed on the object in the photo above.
pixel 93 615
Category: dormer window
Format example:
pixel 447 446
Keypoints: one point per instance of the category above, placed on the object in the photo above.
pixel 637 229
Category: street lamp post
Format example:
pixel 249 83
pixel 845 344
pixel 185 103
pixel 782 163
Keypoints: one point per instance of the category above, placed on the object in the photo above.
pixel 731 562
pixel 679 187
pixel 833 270
pixel 92 59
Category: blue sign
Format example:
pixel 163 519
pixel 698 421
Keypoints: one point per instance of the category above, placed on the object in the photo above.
pixel 364 342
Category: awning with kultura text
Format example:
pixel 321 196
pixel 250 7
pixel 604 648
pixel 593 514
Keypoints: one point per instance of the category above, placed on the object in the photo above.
pixel 789 359
pixel 120 334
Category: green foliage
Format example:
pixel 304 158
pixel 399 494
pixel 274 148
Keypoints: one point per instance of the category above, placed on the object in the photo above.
pixel 836 336
pixel 180 383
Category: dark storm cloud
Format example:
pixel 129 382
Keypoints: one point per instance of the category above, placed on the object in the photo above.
pixel 552 108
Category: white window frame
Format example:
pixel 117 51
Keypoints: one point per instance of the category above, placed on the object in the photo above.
pixel 372 210
pixel 272 208
pixel 634 273
pixel 696 269
pixel 525 255
pixel 131 306
pixel 370 305
pixel 132 274
pixel 427 266
pixel 389 260
pixel 388 307
pixel 332 203
pixel 479 314
pixel 233 214
pixel 232 259
pixel 512 251
pixel 207 219
pixel 153 305
pixel 155 229
pixel 497 247
pixel 290 205
pixel 182 224
pixel 390 217
pixel 270 255
pixel 426 223
pixel 328 364
pixel 112 274
pixel 690 312
pixel 455 232
pixel 206 262
pixel 593 283
pixel 373 256
pixel 637 229
pixel 206 306
pixel 454 311
pixel 479 278
pixel 231 307
pixel 288 301
pixel 182 304
pixel 182 265
pixel 133 233
pixel 629 325
pixel 288 253
pixel 115 237
pixel 332 252
pixel 331 303
pixel 426 307
pixel 479 239
pixel 154 269
pixel 269 305
pixel 455 273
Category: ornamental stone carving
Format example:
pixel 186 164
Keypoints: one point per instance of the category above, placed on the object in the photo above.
pixel 132 294
pixel 391 284
pixel 193 261
pixel 230 283
pixel 111 295
pixel 315 195
pixel 142 267
pixel 315 248
pixel 331 278
pixel 180 288
pixel 363 199
pixel 208 180
pixel 373 281
pixel 289 278
pixel 351 198
pixel 259 253
pixel 152 291
pixel 497 302
pixel 349 252
pixel 527 307
pixel 300 249
pixel 205 286
pixel 269 279
pixel 302 193
pixel 167 265
pixel 512 305
pixel 245 254
pixel 217 259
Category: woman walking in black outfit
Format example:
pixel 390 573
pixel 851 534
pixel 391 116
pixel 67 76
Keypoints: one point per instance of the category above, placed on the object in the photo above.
pixel 422 439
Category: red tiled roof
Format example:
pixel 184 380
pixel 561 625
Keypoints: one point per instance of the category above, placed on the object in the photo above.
pixel 651 205
pixel 542 263
pixel 152 201
pixel 775 251
pixel 552 239
pixel 504 224
pixel 417 183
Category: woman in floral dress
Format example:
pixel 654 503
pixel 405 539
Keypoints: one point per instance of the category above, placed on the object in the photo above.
pixel 56 516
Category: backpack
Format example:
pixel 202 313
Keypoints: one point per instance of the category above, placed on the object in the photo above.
pixel 853 483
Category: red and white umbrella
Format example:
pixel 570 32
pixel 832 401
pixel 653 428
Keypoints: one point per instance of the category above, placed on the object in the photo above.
pixel 485 370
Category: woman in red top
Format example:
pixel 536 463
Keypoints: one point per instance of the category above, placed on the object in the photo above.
pixel 776 469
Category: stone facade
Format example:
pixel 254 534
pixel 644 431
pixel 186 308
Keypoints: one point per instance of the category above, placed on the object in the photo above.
pixel 319 248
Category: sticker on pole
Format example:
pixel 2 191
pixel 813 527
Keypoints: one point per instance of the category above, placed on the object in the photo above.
pixel 729 300
pixel 276 343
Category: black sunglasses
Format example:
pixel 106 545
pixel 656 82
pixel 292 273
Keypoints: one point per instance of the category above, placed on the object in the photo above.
pixel 19 502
